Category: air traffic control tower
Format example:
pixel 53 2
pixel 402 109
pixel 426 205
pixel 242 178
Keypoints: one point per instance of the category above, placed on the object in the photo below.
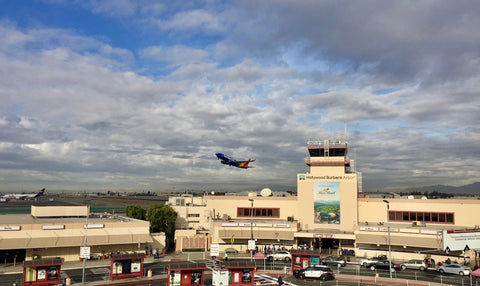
pixel 327 195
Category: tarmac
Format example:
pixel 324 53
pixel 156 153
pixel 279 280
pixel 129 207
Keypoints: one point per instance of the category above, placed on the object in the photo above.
pixel 68 265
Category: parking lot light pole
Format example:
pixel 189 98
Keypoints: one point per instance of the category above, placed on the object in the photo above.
pixel 389 244
pixel 251 228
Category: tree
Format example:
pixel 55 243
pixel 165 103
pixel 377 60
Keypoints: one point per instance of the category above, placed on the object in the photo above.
pixel 136 211
pixel 162 219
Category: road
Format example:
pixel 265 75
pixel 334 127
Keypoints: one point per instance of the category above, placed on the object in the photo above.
pixel 268 275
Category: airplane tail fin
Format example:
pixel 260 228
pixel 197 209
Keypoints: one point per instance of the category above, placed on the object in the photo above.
pixel 40 193
pixel 245 165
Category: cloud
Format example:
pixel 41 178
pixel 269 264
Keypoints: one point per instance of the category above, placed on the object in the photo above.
pixel 177 55
pixel 82 109
pixel 194 20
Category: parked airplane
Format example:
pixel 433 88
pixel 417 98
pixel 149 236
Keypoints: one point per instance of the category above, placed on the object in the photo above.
pixel 24 196
pixel 232 162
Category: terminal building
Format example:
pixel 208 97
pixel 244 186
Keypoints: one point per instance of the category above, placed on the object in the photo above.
pixel 329 213
pixel 60 231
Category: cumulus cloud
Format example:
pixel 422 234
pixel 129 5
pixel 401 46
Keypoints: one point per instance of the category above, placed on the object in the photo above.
pixel 87 109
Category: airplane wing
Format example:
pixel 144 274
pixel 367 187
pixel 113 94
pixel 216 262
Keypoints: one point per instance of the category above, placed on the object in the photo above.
pixel 249 161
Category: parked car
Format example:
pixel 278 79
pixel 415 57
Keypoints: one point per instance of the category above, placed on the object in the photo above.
pixel 370 261
pixel 321 272
pixel 333 261
pixel 279 255
pixel 454 268
pixel 414 264
pixel 231 250
pixel 383 265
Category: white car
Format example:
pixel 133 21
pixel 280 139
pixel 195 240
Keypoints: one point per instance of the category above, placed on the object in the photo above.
pixel 279 255
pixel 454 268
pixel 321 272
pixel 369 261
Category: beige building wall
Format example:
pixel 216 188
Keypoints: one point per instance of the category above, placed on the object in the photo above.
pixel 192 217
pixel 190 239
pixel 348 198
pixel 226 206
pixel 59 211
pixel 158 240
pixel 374 210
pixel 275 230
pixel 218 221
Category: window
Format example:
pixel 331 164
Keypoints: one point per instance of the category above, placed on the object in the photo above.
pixel 193 215
pixel 391 216
pixel 420 216
pixel 259 212
pixel 398 216
pixel 413 216
pixel 449 218
pixel 441 217
pixel 432 217
pixel 427 217
pixel 180 202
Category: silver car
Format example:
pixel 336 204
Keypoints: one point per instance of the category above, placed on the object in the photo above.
pixel 414 264
pixel 454 268
pixel 279 255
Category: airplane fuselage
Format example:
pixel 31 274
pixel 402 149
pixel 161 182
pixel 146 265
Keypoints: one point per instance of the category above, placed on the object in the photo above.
pixel 226 160
pixel 24 196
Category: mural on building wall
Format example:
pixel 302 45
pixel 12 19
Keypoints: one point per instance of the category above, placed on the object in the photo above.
pixel 326 202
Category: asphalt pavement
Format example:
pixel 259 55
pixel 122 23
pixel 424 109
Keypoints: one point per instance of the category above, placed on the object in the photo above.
pixel 285 272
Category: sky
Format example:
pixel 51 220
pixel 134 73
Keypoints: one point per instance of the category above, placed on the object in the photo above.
pixel 139 95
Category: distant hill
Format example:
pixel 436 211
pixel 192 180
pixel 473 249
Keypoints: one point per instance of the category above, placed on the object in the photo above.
pixel 472 189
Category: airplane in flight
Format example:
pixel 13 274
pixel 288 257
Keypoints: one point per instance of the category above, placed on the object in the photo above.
pixel 226 160
pixel 24 196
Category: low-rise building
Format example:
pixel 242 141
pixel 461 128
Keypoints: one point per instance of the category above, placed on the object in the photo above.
pixel 60 231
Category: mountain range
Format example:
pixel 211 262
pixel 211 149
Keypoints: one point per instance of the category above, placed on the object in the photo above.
pixel 471 189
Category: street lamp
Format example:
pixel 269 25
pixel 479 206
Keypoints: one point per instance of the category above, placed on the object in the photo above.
pixel 389 244
pixel 251 228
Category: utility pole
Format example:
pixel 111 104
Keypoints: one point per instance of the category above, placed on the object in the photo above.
pixel 389 244
pixel 251 228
